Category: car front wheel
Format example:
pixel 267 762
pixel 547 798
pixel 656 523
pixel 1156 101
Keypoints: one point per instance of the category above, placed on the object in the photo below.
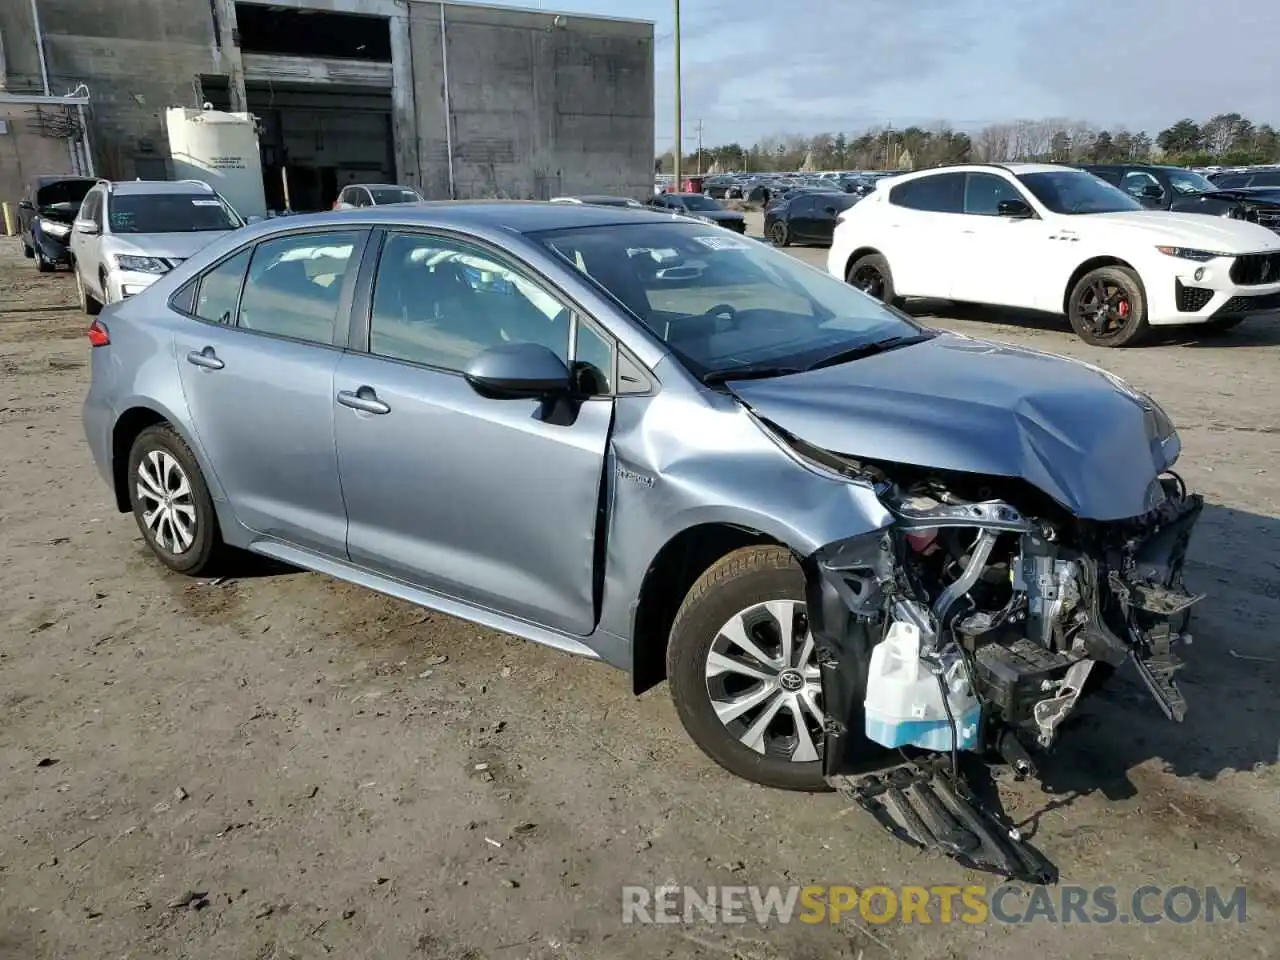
pixel 1107 308
pixel 743 670
pixel 171 502
pixel 88 305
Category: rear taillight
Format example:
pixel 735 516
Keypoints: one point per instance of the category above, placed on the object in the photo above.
pixel 98 335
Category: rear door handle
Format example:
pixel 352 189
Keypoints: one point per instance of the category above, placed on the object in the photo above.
pixel 364 399
pixel 205 358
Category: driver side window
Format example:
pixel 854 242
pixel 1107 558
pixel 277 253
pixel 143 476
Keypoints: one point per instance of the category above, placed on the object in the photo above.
pixel 1136 181
pixel 441 302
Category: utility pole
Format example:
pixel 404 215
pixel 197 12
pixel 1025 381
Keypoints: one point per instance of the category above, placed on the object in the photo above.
pixel 679 148
pixel 699 148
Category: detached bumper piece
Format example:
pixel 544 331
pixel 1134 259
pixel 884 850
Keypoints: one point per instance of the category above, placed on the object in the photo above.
pixel 921 804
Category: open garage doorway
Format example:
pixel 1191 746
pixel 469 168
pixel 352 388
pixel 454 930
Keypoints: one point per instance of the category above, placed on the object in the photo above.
pixel 320 83
pixel 316 139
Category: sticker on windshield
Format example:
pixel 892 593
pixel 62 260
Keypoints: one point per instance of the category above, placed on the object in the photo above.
pixel 206 203
pixel 723 243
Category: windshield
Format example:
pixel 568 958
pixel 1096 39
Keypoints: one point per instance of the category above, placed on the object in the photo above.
pixel 723 302
pixel 383 195
pixel 170 213
pixel 1186 184
pixel 1072 191
pixel 696 201
pixel 63 195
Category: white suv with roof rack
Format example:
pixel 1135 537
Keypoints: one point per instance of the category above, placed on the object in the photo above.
pixel 1056 239
pixel 130 233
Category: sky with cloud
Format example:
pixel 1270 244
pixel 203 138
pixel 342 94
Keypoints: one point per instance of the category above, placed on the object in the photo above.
pixel 753 68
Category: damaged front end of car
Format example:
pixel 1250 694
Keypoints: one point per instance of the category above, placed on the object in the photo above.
pixel 973 624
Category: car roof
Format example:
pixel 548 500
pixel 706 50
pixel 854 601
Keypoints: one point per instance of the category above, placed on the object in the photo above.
pixel 512 216
pixel 127 188
pixel 380 186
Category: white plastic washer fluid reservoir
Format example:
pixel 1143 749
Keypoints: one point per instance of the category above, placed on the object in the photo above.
pixel 904 702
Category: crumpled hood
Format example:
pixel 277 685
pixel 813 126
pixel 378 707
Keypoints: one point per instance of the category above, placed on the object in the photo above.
pixel 1194 230
pixel 165 246
pixel 954 403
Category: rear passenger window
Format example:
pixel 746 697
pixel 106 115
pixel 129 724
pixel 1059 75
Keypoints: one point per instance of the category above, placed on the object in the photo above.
pixel 220 289
pixel 936 193
pixel 295 283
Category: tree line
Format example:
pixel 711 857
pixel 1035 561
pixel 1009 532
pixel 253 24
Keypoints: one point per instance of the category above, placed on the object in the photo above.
pixel 1228 139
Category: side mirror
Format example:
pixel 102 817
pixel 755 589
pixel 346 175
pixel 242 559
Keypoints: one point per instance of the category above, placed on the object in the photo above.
pixel 1151 192
pixel 1017 209
pixel 87 226
pixel 26 205
pixel 513 371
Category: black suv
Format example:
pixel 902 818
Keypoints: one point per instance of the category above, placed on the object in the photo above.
pixel 1161 187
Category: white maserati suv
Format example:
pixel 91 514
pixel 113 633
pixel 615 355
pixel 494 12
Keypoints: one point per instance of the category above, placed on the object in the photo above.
pixel 1056 239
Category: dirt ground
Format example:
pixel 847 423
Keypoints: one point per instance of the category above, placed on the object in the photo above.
pixel 281 765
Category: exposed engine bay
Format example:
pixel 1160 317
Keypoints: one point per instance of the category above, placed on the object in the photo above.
pixel 976 622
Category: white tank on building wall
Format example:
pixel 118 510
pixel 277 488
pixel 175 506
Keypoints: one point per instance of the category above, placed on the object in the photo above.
pixel 222 150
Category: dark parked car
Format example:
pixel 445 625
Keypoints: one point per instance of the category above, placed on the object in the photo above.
pixel 807 216
pixel 1230 180
pixel 700 208
pixel 1159 187
pixel 45 214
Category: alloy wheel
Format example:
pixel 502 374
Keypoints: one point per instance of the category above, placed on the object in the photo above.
pixel 763 680
pixel 1104 309
pixel 168 508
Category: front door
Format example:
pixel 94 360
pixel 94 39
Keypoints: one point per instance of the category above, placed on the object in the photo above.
pixel 490 501
pixel 257 374
pixel 1000 259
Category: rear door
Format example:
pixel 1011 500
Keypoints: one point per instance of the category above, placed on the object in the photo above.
pixel 922 223
pixel 490 501
pixel 257 364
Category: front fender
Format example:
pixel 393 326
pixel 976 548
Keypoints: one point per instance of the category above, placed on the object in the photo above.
pixel 679 461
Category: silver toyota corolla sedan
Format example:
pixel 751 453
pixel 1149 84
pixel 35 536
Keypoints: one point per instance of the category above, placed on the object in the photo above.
pixel 657 443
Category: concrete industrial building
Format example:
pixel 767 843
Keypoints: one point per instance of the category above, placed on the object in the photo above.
pixel 456 98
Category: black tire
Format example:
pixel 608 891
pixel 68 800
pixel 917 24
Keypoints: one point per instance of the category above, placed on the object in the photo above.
pixel 43 265
pixel 871 274
pixel 779 235
pixel 89 306
pixel 737 582
pixel 206 547
pixel 1216 328
pixel 1108 308
pixel 27 252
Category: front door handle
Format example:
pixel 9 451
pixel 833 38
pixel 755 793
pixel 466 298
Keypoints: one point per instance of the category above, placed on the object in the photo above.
pixel 363 399
pixel 205 358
